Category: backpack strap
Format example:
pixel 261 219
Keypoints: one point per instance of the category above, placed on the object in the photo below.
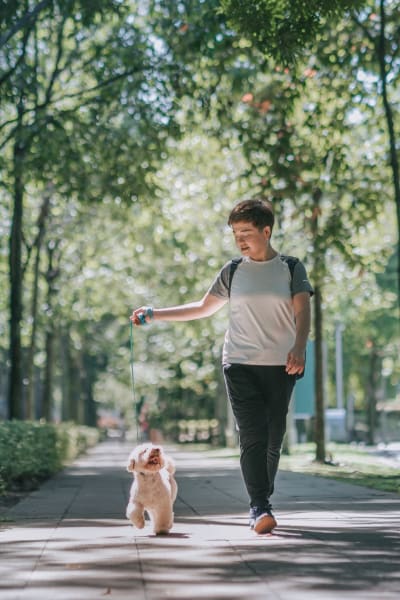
pixel 235 262
pixel 291 261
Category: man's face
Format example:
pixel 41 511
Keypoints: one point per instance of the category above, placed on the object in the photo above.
pixel 250 240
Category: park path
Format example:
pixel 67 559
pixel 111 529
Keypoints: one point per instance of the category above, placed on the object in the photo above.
pixel 69 539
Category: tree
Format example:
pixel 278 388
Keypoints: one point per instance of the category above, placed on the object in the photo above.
pixel 287 30
pixel 68 71
pixel 334 163
pixel 283 123
pixel 381 55
pixel 98 113
pixel 177 366
pixel 370 326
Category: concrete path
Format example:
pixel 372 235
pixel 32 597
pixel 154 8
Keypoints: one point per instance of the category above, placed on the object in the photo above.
pixel 70 540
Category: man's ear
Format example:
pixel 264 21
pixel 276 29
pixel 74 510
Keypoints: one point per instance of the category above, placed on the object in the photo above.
pixel 130 466
pixel 267 231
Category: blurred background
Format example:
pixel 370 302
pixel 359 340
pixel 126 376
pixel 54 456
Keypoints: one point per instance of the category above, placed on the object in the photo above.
pixel 128 131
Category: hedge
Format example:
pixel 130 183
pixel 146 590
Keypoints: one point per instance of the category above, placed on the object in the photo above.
pixel 33 451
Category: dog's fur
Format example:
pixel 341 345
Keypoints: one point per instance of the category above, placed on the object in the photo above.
pixel 154 488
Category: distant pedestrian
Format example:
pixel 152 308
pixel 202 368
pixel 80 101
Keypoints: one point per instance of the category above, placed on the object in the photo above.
pixel 264 349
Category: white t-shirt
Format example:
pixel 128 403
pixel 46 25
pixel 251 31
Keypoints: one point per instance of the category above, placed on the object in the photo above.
pixel 262 327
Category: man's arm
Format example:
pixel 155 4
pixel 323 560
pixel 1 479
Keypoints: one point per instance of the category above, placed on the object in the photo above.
pixel 205 307
pixel 302 314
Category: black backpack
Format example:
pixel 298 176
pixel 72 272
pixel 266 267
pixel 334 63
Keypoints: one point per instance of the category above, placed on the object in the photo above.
pixel 290 260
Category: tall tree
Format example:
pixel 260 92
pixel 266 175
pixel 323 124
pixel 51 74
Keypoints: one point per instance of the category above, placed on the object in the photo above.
pixel 380 33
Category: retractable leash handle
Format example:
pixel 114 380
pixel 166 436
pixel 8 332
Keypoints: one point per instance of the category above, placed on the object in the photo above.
pixel 148 312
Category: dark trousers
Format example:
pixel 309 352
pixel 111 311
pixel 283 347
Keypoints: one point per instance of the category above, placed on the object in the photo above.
pixel 259 396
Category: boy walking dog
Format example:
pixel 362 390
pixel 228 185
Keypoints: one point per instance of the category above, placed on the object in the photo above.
pixel 264 348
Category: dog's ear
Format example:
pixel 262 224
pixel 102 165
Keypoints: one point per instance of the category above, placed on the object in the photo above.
pixel 131 465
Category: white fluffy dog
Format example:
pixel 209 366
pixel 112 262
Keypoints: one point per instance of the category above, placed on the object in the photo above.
pixel 154 488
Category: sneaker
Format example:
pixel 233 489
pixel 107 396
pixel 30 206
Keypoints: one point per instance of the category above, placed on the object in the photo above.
pixel 254 512
pixel 261 519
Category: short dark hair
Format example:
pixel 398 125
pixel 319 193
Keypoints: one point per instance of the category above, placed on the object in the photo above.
pixel 256 211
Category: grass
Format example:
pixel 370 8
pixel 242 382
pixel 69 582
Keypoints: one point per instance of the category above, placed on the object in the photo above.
pixel 346 463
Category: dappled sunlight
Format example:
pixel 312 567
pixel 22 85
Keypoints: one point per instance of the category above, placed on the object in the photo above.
pixel 71 537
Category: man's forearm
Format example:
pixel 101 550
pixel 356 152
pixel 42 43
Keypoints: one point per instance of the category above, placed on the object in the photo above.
pixel 302 312
pixel 184 312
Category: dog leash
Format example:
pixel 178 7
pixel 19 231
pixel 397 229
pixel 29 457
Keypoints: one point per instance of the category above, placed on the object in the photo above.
pixel 148 312
pixel 133 385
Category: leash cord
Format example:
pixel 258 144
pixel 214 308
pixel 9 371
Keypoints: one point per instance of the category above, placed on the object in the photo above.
pixel 133 384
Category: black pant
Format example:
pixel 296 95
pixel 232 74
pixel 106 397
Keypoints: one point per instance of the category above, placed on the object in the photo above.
pixel 260 397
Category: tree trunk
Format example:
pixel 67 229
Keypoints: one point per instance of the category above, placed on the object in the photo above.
pixel 319 379
pixel 65 359
pixel 51 275
pixel 90 416
pixel 30 408
pixel 394 161
pixel 74 374
pixel 318 269
pixel 47 400
pixel 372 386
pixel 71 380
pixel 15 408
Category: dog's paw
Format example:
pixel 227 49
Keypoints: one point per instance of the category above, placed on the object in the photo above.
pixel 163 528
pixel 138 522
pixel 135 515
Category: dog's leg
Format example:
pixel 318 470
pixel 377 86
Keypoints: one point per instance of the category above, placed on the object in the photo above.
pixel 170 465
pixel 162 520
pixel 135 514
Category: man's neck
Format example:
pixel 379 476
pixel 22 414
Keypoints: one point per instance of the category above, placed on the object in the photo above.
pixel 269 254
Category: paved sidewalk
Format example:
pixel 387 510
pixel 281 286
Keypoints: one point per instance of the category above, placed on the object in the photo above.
pixel 70 540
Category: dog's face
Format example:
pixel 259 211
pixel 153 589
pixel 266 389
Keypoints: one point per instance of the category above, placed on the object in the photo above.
pixel 146 458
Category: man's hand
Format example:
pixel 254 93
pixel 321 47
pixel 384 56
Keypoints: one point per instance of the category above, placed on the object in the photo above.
pixel 295 361
pixel 142 315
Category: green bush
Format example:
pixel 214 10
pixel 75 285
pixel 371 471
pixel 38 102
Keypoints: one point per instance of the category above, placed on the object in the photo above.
pixel 33 451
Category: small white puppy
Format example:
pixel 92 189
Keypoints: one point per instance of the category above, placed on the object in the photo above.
pixel 154 488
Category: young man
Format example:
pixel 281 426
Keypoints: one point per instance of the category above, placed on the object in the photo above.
pixel 264 349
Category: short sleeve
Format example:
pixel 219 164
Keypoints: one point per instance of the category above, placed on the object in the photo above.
pixel 220 285
pixel 300 281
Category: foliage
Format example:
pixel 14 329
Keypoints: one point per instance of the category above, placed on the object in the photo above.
pixel 32 451
pixel 370 324
pixel 284 28
pixel 89 88
pixel 183 254
pixel 145 123
pixel 66 76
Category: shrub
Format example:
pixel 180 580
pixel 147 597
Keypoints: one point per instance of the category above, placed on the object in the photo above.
pixel 33 451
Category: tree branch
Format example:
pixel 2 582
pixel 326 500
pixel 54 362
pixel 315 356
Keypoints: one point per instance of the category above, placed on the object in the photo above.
pixel 8 74
pixel 364 29
pixel 56 70
pixel 27 20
